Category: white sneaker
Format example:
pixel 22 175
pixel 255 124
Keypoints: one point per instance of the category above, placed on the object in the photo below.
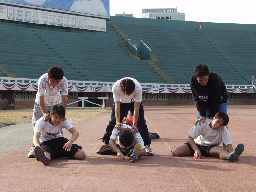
pixel 149 150
pixel 31 153
pixel 135 153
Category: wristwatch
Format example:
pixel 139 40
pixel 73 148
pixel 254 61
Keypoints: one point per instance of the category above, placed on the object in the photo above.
pixel 72 140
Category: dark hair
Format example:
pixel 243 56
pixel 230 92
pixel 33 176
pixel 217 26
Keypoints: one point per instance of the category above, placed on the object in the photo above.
pixel 126 137
pixel 59 110
pixel 127 86
pixel 201 70
pixel 55 73
pixel 224 116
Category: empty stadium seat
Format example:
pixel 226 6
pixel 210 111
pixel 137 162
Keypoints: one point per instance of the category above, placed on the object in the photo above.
pixel 177 46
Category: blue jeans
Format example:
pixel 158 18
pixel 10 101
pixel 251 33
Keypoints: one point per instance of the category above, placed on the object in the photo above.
pixel 124 108
pixel 222 108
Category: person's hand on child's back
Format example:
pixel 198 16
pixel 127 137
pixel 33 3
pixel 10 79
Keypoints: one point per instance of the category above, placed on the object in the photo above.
pixel 46 116
pixel 135 129
pixel 200 120
pixel 118 126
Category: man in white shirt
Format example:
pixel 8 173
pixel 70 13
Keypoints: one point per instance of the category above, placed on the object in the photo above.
pixel 127 94
pixel 204 140
pixel 52 89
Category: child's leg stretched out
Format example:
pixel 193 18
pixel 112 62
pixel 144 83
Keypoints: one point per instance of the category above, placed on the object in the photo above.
pixel 222 153
pixel 219 151
pixel 182 150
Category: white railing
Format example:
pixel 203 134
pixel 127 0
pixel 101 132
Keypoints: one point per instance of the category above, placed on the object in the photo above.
pixel 24 84
pixel 253 82
pixel 87 99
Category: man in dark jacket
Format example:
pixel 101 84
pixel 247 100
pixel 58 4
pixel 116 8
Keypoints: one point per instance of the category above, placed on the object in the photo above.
pixel 209 92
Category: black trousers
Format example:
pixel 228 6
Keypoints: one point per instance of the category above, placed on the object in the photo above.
pixel 124 108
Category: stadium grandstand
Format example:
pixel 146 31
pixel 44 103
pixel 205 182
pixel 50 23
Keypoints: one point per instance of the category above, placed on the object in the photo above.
pixel 160 54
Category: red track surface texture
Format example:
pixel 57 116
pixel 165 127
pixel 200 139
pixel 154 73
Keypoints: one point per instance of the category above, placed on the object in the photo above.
pixel 161 172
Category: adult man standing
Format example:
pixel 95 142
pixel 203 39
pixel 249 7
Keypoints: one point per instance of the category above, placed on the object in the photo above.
pixel 127 94
pixel 209 92
pixel 52 90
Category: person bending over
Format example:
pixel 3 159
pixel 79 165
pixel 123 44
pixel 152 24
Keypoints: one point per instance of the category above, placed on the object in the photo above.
pixel 127 94
pixel 209 93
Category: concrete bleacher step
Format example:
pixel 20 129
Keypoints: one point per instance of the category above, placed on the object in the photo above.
pixel 176 48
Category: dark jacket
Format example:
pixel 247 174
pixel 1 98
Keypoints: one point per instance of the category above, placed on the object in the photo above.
pixel 209 97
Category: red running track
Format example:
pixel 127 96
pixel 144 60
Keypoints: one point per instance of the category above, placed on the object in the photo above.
pixel 161 172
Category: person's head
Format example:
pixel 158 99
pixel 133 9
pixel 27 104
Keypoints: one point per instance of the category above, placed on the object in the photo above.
pixel 126 138
pixel 219 120
pixel 55 74
pixel 201 72
pixel 57 114
pixel 127 86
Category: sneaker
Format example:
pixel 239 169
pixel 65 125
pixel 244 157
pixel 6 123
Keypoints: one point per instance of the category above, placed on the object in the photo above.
pixel 149 150
pixel 135 153
pixel 233 156
pixel 105 150
pixel 153 136
pixel 31 153
pixel 40 156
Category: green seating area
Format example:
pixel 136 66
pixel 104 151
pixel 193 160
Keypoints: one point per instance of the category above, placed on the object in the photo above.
pixel 28 51
pixel 228 49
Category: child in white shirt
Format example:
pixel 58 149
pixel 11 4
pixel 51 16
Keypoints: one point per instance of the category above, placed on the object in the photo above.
pixel 49 141
pixel 130 142
pixel 52 90
pixel 204 140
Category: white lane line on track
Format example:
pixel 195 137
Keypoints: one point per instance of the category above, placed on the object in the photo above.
pixel 71 178
pixel 199 184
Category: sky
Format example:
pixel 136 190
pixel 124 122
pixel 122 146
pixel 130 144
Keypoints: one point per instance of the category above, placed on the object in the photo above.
pixel 217 11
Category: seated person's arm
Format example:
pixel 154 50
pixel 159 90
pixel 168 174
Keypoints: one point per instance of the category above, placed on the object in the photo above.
pixel 113 146
pixel 192 143
pixel 36 137
pixel 75 135
pixel 115 149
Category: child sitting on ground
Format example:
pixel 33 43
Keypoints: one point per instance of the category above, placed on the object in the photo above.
pixel 130 142
pixel 48 140
pixel 204 140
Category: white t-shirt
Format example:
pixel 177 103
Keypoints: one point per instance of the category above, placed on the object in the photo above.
pixel 51 94
pixel 49 131
pixel 118 94
pixel 137 137
pixel 204 135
